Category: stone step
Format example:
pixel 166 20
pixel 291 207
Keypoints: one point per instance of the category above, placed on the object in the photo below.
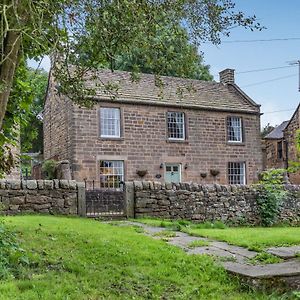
pixel 285 252
pixel 284 269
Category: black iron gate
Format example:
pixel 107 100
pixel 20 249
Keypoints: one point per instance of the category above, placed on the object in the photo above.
pixel 104 202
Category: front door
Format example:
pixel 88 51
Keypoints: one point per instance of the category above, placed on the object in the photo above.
pixel 173 173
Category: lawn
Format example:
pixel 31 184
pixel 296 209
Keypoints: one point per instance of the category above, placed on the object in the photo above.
pixel 73 258
pixel 255 238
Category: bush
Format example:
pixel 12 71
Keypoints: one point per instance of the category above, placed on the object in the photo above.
pixel 271 194
pixel 49 168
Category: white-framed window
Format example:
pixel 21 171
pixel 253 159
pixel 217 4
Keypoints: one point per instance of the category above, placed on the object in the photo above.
pixel 237 173
pixel 234 129
pixel 111 173
pixel 176 126
pixel 110 122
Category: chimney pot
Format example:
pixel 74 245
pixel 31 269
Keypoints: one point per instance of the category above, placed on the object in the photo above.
pixel 227 76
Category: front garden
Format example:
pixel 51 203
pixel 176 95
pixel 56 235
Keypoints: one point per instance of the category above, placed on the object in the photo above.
pixel 73 258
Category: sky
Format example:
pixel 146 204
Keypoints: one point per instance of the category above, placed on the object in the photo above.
pixel 281 19
pixel 280 97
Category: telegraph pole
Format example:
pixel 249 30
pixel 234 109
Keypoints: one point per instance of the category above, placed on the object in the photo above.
pixel 297 62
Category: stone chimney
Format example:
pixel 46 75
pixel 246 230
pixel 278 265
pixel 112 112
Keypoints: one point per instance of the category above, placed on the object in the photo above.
pixel 227 76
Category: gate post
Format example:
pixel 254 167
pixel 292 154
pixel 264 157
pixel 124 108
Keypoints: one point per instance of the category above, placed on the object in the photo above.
pixel 129 199
pixel 81 209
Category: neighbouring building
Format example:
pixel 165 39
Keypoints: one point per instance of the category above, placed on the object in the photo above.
pixel 180 131
pixel 290 136
pixel 275 148
pixel 280 146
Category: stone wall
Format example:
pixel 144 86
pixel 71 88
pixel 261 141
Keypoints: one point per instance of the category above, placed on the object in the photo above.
pixel 40 196
pixel 234 204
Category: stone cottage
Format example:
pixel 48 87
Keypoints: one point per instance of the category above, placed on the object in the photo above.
pixel 181 130
pixel 280 146
pixel 275 148
pixel 290 134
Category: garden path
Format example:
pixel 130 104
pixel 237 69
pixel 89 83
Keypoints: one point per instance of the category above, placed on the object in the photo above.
pixel 235 259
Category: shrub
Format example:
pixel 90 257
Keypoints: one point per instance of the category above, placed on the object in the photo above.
pixel 49 168
pixel 271 193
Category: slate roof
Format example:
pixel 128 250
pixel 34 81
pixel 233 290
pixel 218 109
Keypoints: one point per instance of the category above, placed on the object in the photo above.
pixel 175 92
pixel 277 132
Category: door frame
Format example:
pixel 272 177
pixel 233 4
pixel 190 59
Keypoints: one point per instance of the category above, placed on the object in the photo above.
pixel 173 164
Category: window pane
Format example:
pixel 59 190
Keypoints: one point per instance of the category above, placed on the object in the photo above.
pixel 110 122
pixel 236 173
pixel 234 129
pixel 176 125
pixel 111 173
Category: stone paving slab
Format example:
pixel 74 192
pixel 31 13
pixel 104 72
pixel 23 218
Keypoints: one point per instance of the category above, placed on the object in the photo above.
pixel 234 249
pixel 216 252
pixel 287 268
pixel 183 240
pixel 284 252
pixel 287 271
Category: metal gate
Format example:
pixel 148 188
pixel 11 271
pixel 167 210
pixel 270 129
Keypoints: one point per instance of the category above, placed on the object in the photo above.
pixel 104 202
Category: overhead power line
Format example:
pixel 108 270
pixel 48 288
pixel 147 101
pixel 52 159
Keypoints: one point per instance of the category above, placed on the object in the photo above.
pixel 261 70
pixel 262 40
pixel 270 80
pixel 266 69
pixel 277 111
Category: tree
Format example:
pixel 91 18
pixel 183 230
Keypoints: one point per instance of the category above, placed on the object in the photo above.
pixel 32 127
pixel 266 130
pixel 168 53
pixel 30 29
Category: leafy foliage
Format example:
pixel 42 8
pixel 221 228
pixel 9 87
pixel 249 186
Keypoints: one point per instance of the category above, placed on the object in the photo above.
pixel 264 258
pixel 168 53
pixel 21 123
pixel 270 196
pixel 49 168
pixel 32 128
pixel 266 130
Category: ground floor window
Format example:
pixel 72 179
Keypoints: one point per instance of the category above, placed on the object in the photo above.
pixel 111 173
pixel 236 173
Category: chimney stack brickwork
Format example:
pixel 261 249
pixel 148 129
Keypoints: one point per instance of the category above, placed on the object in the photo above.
pixel 227 76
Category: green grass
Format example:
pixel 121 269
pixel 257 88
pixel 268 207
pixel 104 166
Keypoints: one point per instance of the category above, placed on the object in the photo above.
pixel 254 238
pixel 166 235
pixel 264 258
pixel 72 258
pixel 198 243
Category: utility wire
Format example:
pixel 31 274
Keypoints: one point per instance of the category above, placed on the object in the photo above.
pixel 261 70
pixel 266 69
pixel 276 111
pixel 261 40
pixel 270 80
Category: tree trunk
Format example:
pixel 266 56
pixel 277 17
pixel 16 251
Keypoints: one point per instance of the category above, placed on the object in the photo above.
pixel 7 69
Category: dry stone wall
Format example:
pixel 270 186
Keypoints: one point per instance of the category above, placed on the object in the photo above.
pixel 39 196
pixel 235 204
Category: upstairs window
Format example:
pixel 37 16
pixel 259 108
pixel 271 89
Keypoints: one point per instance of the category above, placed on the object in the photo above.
pixel 236 173
pixel 110 122
pixel 234 129
pixel 176 128
pixel 111 173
